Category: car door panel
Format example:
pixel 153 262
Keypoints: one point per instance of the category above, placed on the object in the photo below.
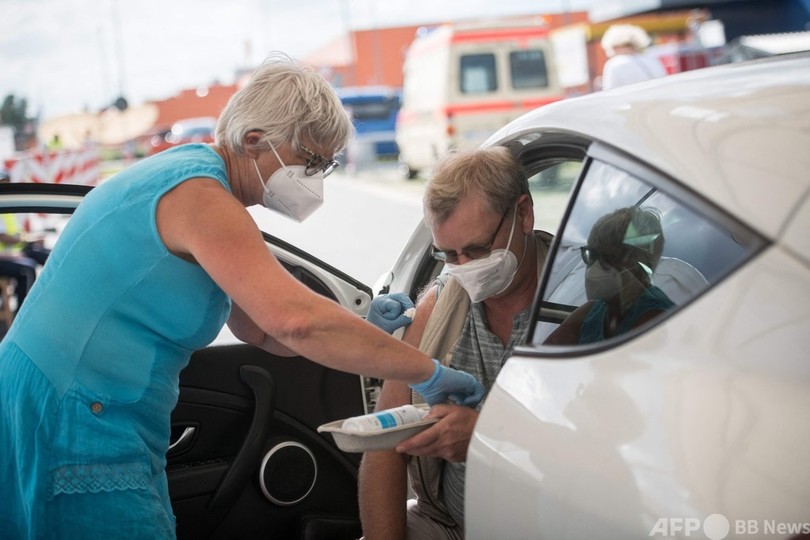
pixel 242 412
pixel 246 478
pixel 223 412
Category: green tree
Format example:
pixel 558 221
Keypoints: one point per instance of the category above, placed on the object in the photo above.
pixel 13 112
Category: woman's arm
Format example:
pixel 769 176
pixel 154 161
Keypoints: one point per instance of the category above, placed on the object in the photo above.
pixel 200 220
pixel 246 330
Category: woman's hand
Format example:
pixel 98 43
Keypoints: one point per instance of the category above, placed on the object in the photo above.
pixel 448 383
pixel 390 312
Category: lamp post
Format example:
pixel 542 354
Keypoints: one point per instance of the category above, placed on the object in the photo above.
pixel 345 11
pixel 119 53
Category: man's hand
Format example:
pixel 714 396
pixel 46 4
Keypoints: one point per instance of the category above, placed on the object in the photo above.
pixel 448 438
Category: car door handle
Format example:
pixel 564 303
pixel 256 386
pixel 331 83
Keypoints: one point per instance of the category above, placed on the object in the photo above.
pixel 184 440
pixel 233 483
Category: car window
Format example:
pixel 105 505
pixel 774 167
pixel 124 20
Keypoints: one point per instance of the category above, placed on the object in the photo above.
pixel 373 108
pixel 197 132
pixel 550 187
pixel 528 69
pixel 478 74
pixel 629 254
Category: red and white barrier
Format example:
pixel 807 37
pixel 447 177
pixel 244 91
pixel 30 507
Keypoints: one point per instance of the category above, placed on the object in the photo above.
pixel 56 167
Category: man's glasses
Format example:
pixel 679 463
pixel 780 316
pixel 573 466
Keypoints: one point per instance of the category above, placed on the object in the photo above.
pixel 471 252
pixel 316 163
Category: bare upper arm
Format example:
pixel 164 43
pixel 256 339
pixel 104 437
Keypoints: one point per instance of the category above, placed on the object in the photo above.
pixel 424 307
pixel 201 221
pixel 395 393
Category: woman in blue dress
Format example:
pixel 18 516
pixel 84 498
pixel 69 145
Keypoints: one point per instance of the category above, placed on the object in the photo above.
pixel 149 268
pixel 623 250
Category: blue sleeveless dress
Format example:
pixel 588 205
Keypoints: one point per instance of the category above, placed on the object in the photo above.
pixel 89 369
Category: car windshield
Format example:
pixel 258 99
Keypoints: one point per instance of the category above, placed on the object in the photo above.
pixel 191 132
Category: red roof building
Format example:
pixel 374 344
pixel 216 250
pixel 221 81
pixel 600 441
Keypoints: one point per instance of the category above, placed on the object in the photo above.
pixel 193 103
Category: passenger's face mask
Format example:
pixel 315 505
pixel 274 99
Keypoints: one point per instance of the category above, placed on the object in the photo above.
pixel 290 192
pixel 602 283
pixel 489 276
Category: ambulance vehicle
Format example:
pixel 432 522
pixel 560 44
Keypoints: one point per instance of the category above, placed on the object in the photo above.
pixel 463 81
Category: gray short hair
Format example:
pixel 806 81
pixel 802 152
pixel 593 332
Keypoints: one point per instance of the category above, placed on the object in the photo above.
pixel 289 102
pixel 492 172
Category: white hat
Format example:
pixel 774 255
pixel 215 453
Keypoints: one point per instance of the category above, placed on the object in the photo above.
pixel 625 35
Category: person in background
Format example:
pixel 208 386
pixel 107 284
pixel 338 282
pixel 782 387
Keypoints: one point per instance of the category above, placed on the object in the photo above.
pixel 624 248
pixel 624 45
pixel 481 214
pixel 55 144
pixel 150 266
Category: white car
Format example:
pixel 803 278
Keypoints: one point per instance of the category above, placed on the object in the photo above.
pixel 693 425
pixel 697 423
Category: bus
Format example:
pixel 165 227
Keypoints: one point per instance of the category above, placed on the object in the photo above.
pixel 374 114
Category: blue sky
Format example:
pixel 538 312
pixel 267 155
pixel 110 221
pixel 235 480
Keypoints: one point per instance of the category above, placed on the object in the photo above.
pixel 65 55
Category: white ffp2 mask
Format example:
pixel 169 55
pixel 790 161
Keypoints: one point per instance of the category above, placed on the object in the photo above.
pixel 489 276
pixel 602 283
pixel 290 192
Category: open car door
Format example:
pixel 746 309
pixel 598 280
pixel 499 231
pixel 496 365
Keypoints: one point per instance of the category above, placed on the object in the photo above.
pixel 246 460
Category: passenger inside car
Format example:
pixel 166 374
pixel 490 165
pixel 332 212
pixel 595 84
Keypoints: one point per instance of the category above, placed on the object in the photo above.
pixel 681 271
pixel 624 248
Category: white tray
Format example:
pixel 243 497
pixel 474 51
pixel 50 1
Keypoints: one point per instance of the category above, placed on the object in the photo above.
pixel 365 441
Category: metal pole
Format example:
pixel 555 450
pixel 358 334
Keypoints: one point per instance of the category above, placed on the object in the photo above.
pixel 119 47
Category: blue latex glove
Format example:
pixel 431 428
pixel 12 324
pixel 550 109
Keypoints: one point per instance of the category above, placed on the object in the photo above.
pixel 387 312
pixel 448 382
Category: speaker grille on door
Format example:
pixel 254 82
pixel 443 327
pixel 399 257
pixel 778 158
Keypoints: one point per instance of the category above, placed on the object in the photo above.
pixel 288 473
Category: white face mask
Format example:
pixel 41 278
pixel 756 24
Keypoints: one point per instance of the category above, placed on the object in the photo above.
pixel 290 192
pixel 489 276
pixel 602 283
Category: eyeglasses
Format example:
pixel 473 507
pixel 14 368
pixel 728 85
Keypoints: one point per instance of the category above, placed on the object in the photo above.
pixel 471 252
pixel 316 162
pixel 589 255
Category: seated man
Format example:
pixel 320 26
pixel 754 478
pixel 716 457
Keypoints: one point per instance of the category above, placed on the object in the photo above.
pixel 481 214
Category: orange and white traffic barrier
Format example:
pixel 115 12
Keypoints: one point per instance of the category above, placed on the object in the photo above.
pixel 56 167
